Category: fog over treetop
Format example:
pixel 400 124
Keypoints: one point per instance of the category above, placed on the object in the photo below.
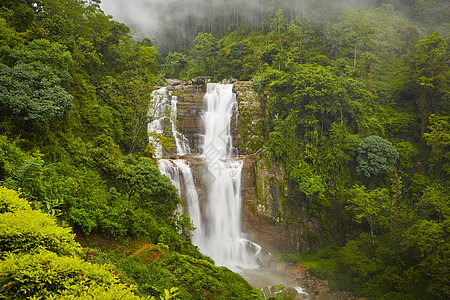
pixel 148 13
pixel 153 17
pixel 173 24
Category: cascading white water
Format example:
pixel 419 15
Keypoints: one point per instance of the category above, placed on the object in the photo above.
pixel 218 219
pixel 166 167
pixel 191 200
pixel 222 237
pixel 181 177
pixel 158 112
pixel 181 141
pixel 218 230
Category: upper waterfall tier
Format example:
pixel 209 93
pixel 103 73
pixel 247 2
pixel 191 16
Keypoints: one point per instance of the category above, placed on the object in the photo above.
pixel 163 112
pixel 221 106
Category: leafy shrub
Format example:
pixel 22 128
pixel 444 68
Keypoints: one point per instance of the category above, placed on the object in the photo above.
pixel 44 274
pixel 27 176
pixel 32 79
pixel 10 202
pixel 117 291
pixel 26 230
pixel 141 223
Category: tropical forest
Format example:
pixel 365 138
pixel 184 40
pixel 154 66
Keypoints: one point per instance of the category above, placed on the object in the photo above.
pixel 186 149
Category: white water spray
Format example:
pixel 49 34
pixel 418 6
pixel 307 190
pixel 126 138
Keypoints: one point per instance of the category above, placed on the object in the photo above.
pixel 191 200
pixel 181 177
pixel 166 167
pixel 222 238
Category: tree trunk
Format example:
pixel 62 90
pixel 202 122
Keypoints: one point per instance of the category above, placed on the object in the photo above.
pixel 279 37
pixel 425 113
pixel 262 15
pixel 371 233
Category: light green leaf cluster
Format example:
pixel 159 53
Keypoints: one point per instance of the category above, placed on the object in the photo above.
pixel 46 273
pixel 9 202
pixel 29 231
pixel 439 139
pixel 39 259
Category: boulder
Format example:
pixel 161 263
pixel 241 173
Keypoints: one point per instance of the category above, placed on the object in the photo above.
pixel 200 80
pixel 174 82
pixel 322 295
pixel 281 267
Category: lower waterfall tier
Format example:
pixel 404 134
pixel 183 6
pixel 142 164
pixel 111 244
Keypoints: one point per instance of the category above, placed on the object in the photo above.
pixel 212 200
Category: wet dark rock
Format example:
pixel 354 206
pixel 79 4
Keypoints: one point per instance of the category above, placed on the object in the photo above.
pixel 200 80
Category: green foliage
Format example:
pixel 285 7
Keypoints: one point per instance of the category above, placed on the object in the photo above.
pixel 236 60
pixel 32 80
pixel 26 176
pixel 38 259
pixel 158 268
pixel 169 294
pixel 205 50
pixel 439 140
pixel 116 291
pixel 74 94
pixel 175 62
pixel 407 154
pixel 11 158
pixel 434 204
pixel 18 14
pixel 430 76
pixel 46 275
pixel 11 203
pixel 326 263
pixel 308 182
pixel 430 239
pixel 143 178
pixel 372 206
pixel 358 255
pixel 23 230
pixel 376 156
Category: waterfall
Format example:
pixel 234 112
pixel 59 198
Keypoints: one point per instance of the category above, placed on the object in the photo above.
pixel 158 112
pixel 181 141
pixel 191 200
pixel 223 240
pixel 181 177
pixel 218 232
pixel 166 167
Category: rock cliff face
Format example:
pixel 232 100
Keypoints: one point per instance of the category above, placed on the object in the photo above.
pixel 190 110
pixel 269 219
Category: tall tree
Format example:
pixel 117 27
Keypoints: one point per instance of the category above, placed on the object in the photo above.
pixel 430 75
pixel 206 49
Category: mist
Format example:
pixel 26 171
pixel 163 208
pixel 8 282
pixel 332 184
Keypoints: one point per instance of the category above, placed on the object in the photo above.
pixel 148 18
